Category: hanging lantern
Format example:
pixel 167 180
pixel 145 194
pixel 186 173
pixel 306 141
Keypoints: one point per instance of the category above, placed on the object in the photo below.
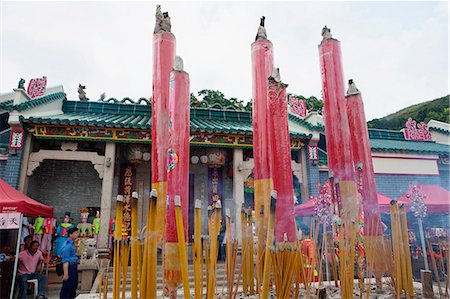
pixel 146 157
pixel 195 159
pixel 216 157
pixel 204 159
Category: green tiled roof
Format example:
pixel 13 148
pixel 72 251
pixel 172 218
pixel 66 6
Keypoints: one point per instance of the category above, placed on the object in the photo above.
pixel 386 134
pixel 9 104
pixel 139 117
pixel 306 124
pixel 136 121
pixel 427 147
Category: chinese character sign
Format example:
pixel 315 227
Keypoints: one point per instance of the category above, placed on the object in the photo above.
pixel 415 131
pixel 9 220
pixel 313 153
pixel 298 106
pixel 16 139
pixel 214 184
pixel 127 185
pixel 36 87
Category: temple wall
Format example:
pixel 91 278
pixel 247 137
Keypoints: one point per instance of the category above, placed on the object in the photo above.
pixel 2 169
pixel 395 185
pixel 66 185
pixel 11 171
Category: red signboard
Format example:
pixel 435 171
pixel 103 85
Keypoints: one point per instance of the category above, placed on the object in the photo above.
pixel 36 87
pixel 16 139
pixel 414 131
pixel 127 183
pixel 298 106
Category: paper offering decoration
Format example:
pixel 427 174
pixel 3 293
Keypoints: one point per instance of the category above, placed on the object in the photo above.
pixel 16 139
pixel 415 131
pixel 298 106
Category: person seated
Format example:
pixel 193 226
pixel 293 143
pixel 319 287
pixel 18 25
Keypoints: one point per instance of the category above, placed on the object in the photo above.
pixel 27 241
pixel 30 263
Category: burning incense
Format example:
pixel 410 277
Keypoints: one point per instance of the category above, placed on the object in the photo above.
pixel 269 242
pixel 134 245
pixel 117 242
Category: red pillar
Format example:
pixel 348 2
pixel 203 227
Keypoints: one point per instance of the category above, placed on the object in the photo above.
pixel 178 167
pixel 163 59
pixel 280 160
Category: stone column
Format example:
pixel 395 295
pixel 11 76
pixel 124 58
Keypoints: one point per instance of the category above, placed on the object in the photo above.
pixel 107 190
pixel 23 179
pixel 238 189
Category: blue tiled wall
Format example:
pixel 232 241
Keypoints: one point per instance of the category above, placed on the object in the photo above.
pixel 445 178
pixel 12 169
pixel 2 169
pixel 323 177
pixel 396 185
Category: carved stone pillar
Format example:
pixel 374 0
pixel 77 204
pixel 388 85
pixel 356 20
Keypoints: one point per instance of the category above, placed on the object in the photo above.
pixel 238 189
pixel 107 190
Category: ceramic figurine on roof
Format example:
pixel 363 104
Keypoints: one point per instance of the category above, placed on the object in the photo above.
pixel 162 21
pixel 21 84
pixel 261 34
pixel 82 93
pixel 326 33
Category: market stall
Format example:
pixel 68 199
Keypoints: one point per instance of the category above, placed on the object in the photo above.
pixel 13 207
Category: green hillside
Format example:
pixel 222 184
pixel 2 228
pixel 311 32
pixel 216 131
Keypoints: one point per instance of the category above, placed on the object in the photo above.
pixel 437 109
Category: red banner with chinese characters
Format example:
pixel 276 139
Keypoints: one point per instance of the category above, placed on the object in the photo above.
pixel 16 139
pixel 127 186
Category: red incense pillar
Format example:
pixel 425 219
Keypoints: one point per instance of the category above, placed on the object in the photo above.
pixel 338 137
pixel 262 66
pixel 178 168
pixel 280 159
pixel 363 159
pixel 163 59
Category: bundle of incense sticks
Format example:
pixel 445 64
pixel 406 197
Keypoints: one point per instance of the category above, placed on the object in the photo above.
pixel 197 252
pixel 148 273
pixel 269 242
pixel 134 246
pixel 231 255
pixel 401 269
pixel 284 261
pixel 182 246
pixel 214 229
pixel 247 252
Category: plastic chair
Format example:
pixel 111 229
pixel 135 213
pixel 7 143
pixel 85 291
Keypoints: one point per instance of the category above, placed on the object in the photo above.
pixel 36 286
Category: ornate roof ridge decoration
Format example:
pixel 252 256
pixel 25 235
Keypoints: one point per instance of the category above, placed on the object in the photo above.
pixel 8 105
pixel 222 104
pixel 125 101
pixel 439 130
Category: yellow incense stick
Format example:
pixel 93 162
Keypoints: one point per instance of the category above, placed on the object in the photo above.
pixel 182 246
pixel 250 241
pixel 269 242
pixel 197 258
pixel 134 245
pixel 117 241
pixel 406 251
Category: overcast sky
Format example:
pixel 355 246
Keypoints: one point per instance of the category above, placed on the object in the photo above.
pixel 397 52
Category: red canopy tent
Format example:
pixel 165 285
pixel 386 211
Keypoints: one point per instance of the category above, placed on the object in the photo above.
pixel 307 208
pixel 437 198
pixel 12 201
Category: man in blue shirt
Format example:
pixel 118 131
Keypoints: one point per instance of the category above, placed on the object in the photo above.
pixel 70 262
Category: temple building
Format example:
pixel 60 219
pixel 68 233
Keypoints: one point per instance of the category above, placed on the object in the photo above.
pixel 72 154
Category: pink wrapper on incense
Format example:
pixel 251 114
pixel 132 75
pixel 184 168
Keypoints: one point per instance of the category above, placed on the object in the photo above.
pixel 362 157
pixel 280 159
pixel 178 157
